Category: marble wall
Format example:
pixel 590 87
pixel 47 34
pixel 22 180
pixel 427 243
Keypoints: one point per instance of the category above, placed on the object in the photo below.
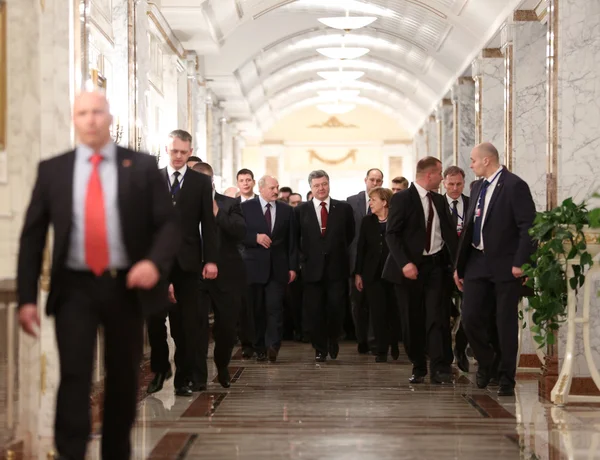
pixel 420 143
pixel 529 132
pixel 463 96
pixel 432 137
pixel 446 116
pixel 143 66
pixel 120 69
pixel 491 71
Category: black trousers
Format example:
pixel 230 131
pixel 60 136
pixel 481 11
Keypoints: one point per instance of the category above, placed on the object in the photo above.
pixel 425 316
pixel 361 315
pixel 296 295
pixel 246 323
pixel 384 313
pixel 87 302
pixel 478 316
pixel 184 317
pixel 324 302
pixel 266 302
pixel 226 307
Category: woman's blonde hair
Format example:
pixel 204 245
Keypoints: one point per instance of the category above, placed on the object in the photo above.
pixel 384 194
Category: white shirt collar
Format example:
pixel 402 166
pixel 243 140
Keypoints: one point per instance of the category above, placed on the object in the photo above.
pixel 264 202
pixel 495 174
pixel 243 198
pixel 422 192
pixel 318 202
pixel 450 199
pixel 171 170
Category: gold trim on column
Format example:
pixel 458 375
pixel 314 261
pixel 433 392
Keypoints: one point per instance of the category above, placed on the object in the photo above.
pixel 478 106
pixel 189 105
pixel 439 139
pixel 455 114
pixel 508 105
pixel 552 106
pixel 525 16
pixel 3 75
pixel 132 71
pixel 491 53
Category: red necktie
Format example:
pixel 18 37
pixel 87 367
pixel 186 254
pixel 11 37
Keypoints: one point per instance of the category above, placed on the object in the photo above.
pixel 324 215
pixel 96 243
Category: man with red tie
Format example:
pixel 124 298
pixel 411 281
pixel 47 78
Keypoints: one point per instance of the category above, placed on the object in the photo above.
pixel 325 231
pixel 115 238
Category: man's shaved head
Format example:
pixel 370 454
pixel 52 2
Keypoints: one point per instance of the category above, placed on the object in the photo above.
pixel 484 159
pixel 92 119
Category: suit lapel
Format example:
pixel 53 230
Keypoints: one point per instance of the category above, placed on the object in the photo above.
pixel 498 189
pixel 124 166
pixel 416 198
pixel 278 217
pixel 362 203
pixel 62 226
pixel 333 210
pixel 312 213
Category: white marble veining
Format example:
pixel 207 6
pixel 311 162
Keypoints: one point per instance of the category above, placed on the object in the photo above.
pixel 529 135
pixel 492 102
pixel 170 105
pixel 143 68
pixel 445 113
pixel 432 137
pixel 215 144
pixel 120 71
pixel 463 94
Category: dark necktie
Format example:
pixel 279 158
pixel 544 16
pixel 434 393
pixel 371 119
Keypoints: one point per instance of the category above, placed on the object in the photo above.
pixel 175 187
pixel 96 240
pixel 429 229
pixel 324 216
pixel 268 217
pixel 477 225
pixel 455 213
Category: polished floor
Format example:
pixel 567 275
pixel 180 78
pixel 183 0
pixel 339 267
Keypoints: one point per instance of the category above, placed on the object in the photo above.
pixel 353 408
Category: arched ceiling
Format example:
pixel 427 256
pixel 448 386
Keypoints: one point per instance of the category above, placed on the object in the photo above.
pixel 260 58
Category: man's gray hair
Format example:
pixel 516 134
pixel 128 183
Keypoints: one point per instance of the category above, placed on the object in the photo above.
pixel 318 174
pixel 263 180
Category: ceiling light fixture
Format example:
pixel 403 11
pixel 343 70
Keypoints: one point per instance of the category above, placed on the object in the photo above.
pixel 336 108
pixel 343 53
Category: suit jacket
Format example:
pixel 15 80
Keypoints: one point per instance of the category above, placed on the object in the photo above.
pixel 509 217
pixel 148 222
pixel 194 206
pixel 406 232
pixel 372 249
pixel 327 256
pixel 264 264
pixel 231 229
pixel 465 209
pixel 359 211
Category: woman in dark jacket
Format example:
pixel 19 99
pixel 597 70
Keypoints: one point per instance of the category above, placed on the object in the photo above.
pixel 372 252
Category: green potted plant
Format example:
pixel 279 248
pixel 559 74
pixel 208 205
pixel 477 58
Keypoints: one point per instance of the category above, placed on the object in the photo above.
pixel 562 235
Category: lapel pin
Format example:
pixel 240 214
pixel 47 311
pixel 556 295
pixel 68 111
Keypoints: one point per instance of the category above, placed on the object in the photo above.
pixel 126 163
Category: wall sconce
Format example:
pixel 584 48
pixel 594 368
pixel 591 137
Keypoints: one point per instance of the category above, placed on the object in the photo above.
pixel 138 134
pixel 117 132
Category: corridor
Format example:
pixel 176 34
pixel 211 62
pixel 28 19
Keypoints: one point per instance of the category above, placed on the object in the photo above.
pixel 353 408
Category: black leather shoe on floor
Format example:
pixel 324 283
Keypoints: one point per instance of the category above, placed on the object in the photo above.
pixel 441 377
pixel 247 353
pixel 381 359
pixel 261 356
pixel 416 379
pixel 272 354
pixel 395 352
pixel 224 378
pixel 334 350
pixel 506 390
pixel 320 357
pixel 197 387
pixel 482 378
pixel 184 390
pixel 462 361
pixel 158 381
pixel 363 348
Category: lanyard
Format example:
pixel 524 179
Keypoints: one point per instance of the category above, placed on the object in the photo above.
pixel 455 212
pixel 490 182
pixel 171 185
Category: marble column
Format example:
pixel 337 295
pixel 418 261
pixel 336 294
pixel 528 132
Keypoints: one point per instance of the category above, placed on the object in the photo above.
pixel 226 151
pixel 446 132
pixel 120 70
pixel 488 72
pixel 238 149
pixel 463 100
pixel 529 132
pixel 432 137
pixel 142 66
pixel 420 143
pixel 196 107
pixel 215 141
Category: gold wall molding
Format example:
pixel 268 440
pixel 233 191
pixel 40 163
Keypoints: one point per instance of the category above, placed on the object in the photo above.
pixel 508 105
pixel 168 38
pixel 525 16
pixel 332 122
pixel 3 75
pixel 397 141
pixel 313 155
pixel 440 133
pixel 446 102
pixel 132 71
pixel 552 105
pixel 493 53
pixel 455 134
pixel 465 80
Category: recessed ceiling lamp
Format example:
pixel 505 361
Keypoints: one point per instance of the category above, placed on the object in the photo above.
pixel 337 94
pixel 343 52
pixel 336 108
pixel 347 22
pixel 341 75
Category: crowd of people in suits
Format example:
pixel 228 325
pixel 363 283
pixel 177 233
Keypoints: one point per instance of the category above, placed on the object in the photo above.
pixel 136 245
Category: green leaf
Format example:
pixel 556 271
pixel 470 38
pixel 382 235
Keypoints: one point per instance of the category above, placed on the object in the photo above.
pixel 550 338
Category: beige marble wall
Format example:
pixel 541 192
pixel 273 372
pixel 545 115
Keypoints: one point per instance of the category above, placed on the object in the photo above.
pixel 446 116
pixel 463 98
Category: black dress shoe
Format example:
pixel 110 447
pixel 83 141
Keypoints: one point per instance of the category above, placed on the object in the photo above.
pixel 395 352
pixel 334 350
pixel 462 361
pixel 320 357
pixel 506 390
pixel 272 354
pixel 247 353
pixel 482 378
pixel 223 377
pixel 415 379
pixel 158 381
pixel 363 348
pixel 381 358
pixel 197 387
pixel 494 382
pixel 261 356
pixel 183 390
pixel 441 377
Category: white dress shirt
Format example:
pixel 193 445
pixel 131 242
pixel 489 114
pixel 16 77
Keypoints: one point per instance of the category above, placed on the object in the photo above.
pixel 263 205
pixel 460 210
pixel 367 200
pixel 437 242
pixel 317 205
pixel 171 173
pixel 493 179
pixel 243 198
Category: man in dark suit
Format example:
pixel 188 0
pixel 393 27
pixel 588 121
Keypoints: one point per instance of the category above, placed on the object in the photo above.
pixel 358 300
pixel 422 241
pixel 191 195
pixel 270 255
pixel 494 245
pixel 458 203
pixel 325 230
pixel 115 237
pixel 224 293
